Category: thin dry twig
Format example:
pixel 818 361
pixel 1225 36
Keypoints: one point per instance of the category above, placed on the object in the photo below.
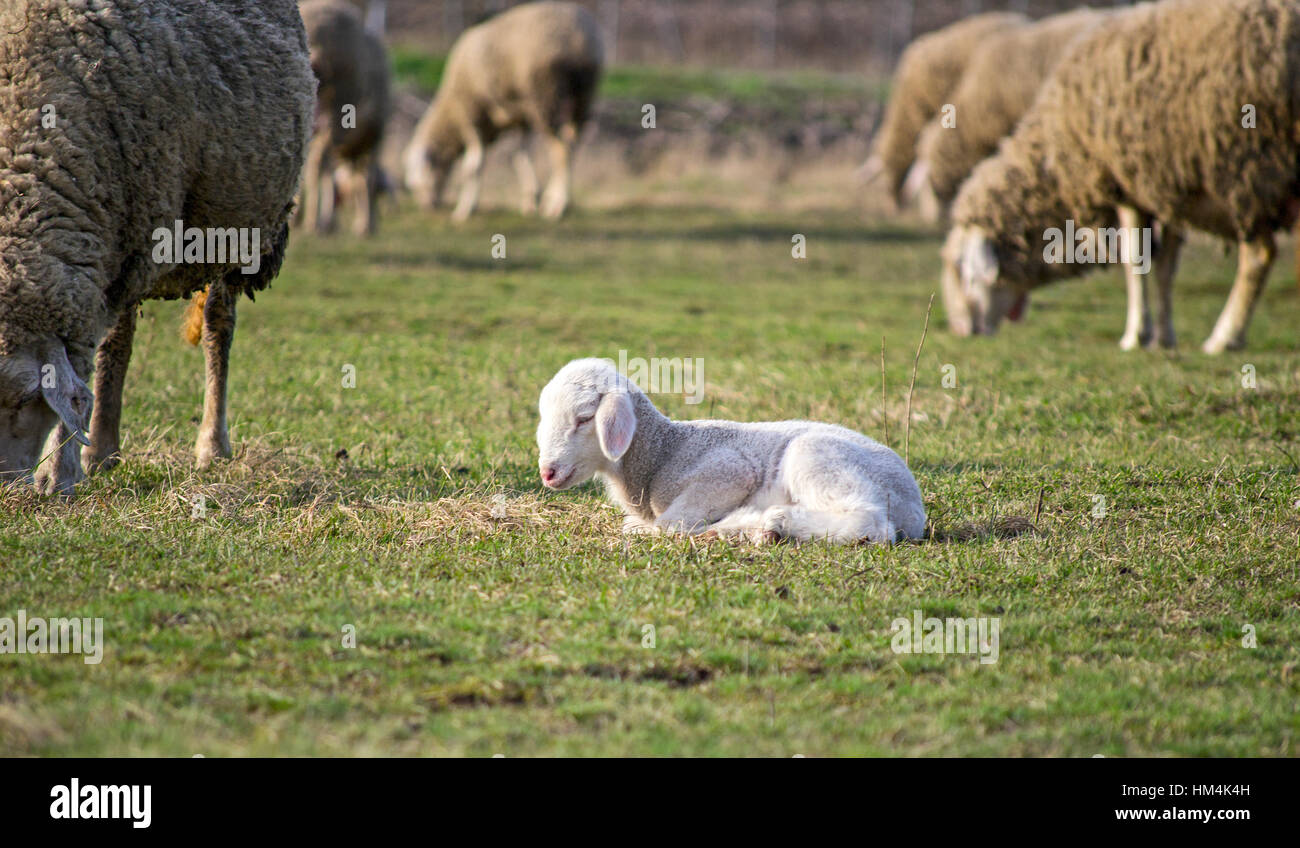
pixel 907 422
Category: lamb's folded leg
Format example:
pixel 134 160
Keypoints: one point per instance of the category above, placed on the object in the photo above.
pixel 111 361
pixel 746 521
pixel 1137 329
pixel 1254 258
pixel 635 525
pixel 723 482
pixel 218 333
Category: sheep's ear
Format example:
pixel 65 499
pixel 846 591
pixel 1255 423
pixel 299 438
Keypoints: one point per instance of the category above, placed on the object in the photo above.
pixel 979 265
pixel 66 393
pixel 615 424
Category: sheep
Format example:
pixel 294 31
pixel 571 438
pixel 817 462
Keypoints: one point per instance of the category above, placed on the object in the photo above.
pixel 791 479
pixel 122 123
pixel 999 85
pixel 535 68
pixel 352 106
pixel 1182 113
pixel 928 71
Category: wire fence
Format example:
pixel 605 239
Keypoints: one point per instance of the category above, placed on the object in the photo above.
pixel 835 35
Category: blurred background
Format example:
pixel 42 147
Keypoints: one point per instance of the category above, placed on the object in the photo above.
pixel 758 103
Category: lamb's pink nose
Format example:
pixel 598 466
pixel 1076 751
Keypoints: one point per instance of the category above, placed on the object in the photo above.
pixel 549 474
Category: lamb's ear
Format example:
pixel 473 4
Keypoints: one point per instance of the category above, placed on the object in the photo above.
pixel 66 393
pixel 615 423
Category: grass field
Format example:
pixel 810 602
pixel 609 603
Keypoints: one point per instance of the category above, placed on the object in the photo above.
pixel 493 617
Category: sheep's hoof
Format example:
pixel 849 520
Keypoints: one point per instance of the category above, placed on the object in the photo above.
pixel 1215 346
pixel 765 537
pixel 553 206
pixel 1168 342
pixel 95 461
pixel 51 484
pixel 209 450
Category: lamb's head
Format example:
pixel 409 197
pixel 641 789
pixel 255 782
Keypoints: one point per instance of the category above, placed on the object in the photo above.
pixel 588 418
pixel 976 293
pixel 38 390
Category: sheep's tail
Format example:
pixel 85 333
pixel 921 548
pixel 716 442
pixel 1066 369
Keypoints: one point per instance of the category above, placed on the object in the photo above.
pixel 192 323
pixel 1002 528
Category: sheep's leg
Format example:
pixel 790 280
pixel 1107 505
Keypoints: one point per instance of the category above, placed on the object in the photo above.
pixel 1254 258
pixel 111 361
pixel 363 189
pixel 1166 265
pixel 1137 329
pixel 560 147
pixel 218 333
pixel 313 183
pixel 528 185
pixel 61 470
pixel 473 166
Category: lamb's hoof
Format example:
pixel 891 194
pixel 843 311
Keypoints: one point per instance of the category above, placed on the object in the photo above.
pixel 528 206
pixel 1128 343
pixel 764 537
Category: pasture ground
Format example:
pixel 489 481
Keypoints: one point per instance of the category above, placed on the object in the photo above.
pixel 493 617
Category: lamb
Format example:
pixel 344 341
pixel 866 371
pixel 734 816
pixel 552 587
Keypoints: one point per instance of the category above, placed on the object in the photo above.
pixel 928 72
pixel 102 157
pixel 352 105
pixel 1183 112
pixel 999 85
pixel 794 479
pixel 534 68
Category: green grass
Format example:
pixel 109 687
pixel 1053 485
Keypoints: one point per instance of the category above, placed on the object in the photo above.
pixel 493 617
pixel 787 91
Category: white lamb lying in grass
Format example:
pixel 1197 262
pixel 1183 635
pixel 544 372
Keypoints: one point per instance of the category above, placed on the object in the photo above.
pixel 793 479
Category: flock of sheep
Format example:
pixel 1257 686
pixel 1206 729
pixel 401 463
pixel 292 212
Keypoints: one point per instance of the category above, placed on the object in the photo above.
pixel 128 126
pixel 1114 124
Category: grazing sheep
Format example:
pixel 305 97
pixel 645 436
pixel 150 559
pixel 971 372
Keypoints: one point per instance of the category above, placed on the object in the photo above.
pixel 121 121
pixel 928 72
pixel 1145 120
pixel 534 68
pixel 1000 83
pixel 796 479
pixel 352 105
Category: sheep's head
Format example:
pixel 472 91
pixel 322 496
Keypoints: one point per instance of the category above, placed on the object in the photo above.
pixel 587 422
pixel 428 169
pixel 976 295
pixel 38 390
